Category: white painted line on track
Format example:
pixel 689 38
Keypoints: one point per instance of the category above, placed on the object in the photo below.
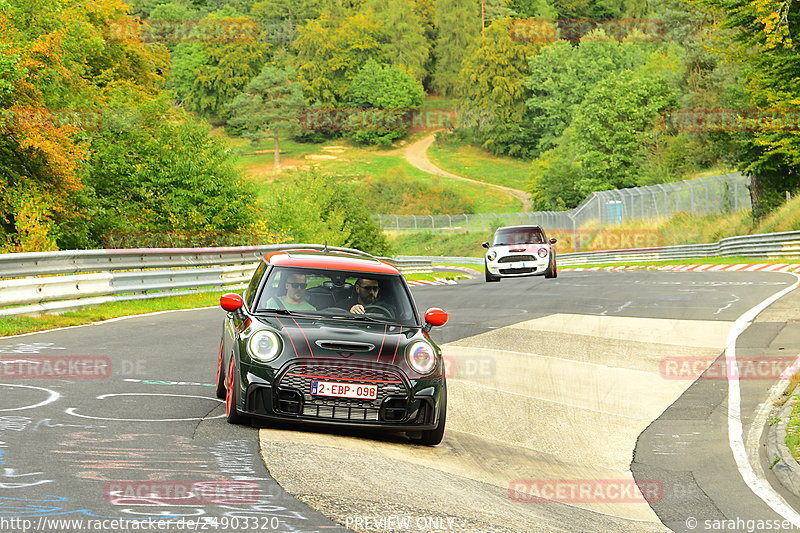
pixel 757 484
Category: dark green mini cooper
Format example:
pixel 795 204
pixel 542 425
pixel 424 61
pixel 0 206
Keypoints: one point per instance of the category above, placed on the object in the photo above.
pixel 330 337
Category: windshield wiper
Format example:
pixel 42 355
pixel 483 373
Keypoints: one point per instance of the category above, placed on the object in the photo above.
pixel 289 313
pixel 365 318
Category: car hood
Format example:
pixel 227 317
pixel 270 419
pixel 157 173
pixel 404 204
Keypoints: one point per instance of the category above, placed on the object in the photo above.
pixel 519 248
pixel 364 341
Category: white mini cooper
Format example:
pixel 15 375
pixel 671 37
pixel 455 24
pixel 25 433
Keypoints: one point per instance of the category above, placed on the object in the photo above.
pixel 520 251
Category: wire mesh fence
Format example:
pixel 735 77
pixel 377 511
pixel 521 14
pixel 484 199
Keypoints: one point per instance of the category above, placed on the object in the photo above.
pixel 728 193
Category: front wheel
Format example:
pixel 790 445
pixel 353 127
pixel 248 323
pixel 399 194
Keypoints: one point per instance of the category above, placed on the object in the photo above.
pixel 552 269
pixel 220 381
pixel 432 437
pixel 232 396
pixel 489 277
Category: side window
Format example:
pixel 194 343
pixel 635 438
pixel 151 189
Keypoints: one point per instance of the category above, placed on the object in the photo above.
pixel 252 287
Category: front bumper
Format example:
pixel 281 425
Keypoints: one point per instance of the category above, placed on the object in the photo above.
pixel 529 268
pixel 411 405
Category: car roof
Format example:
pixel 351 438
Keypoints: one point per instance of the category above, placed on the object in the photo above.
pixel 524 226
pixel 331 260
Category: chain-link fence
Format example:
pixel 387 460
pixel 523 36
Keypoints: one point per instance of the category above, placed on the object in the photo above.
pixel 717 194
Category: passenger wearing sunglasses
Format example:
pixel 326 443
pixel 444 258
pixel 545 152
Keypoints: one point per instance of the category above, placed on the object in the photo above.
pixel 295 285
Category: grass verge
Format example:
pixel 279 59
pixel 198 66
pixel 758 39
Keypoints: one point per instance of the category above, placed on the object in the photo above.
pixel 17 325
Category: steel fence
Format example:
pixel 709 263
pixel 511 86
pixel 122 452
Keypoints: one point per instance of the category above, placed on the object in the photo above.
pixel 728 193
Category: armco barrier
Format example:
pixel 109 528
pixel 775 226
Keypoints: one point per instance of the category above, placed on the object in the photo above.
pixel 762 246
pixel 59 281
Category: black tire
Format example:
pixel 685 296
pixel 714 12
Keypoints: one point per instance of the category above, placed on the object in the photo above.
pixel 552 269
pixel 232 397
pixel 433 437
pixel 220 385
pixel 489 277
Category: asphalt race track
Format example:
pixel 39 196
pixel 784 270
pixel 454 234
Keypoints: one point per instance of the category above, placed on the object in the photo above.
pixel 574 390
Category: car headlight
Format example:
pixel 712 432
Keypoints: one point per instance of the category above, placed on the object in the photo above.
pixel 264 345
pixel 491 255
pixel 542 252
pixel 421 357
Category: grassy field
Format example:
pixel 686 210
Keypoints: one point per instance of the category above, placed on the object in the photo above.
pixel 475 163
pixel 386 168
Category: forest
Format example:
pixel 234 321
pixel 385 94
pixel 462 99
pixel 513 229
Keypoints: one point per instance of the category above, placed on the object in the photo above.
pixel 107 107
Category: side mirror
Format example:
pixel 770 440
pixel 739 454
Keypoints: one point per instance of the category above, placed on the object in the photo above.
pixel 436 317
pixel 231 302
pixel 553 240
pixel 485 244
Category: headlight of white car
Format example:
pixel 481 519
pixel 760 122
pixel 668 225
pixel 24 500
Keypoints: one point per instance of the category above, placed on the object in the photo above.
pixel 491 255
pixel 421 357
pixel 264 345
pixel 542 252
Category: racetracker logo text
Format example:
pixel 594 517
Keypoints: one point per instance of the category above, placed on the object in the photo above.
pixel 55 367
pixel 585 491
pixel 744 368
pixel 181 492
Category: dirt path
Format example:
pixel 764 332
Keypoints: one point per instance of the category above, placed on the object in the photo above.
pixel 416 154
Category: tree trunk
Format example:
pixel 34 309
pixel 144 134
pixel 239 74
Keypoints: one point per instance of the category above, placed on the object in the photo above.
pixel 277 153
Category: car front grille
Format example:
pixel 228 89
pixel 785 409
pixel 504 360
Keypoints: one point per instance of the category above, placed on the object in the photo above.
pixel 295 384
pixel 516 258
pixel 517 270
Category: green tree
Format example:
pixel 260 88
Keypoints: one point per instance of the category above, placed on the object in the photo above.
pixel 760 37
pixel 329 51
pixel 383 95
pixel 160 171
pixel 493 88
pixel 402 36
pixel 223 55
pixel 459 27
pixel 315 208
pixel 270 106
pixel 561 75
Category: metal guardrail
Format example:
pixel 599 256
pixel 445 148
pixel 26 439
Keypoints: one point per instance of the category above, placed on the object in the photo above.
pixel 761 246
pixel 60 281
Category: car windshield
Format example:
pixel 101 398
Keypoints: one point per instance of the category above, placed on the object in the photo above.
pixel 519 236
pixel 335 293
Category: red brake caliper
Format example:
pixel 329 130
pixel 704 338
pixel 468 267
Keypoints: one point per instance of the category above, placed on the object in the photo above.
pixel 229 388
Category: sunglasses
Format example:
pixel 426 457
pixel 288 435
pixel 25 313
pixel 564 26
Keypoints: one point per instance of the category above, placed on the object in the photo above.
pixel 298 285
pixel 370 287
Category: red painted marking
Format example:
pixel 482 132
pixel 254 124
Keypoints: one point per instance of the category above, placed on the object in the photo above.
pixel 398 345
pixel 304 336
pixel 382 341
pixel 342 379
pixel 288 334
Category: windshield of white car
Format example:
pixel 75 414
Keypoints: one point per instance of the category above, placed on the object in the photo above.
pixel 518 236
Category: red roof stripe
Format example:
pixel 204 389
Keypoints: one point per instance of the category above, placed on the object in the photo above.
pixel 331 262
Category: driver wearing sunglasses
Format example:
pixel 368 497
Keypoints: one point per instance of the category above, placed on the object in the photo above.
pixel 366 294
pixel 295 285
